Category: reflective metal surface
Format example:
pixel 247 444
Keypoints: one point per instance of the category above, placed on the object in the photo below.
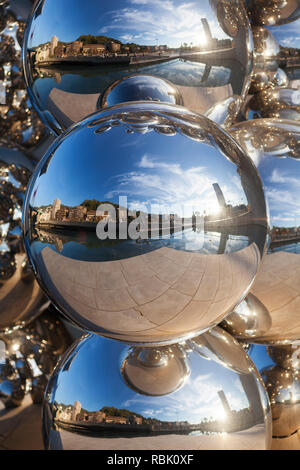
pixel 31 354
pixel 283 103
pixel 249 320
pixel 156 233
pixel 273 145
pixel 282 384
pixel 281 79
pixel 265 45
pixel 18 120
pixel 210 404
pixel 283 387
pixel 273 12
pixel 72 56
pixel 21 298
pixel 286 357
pixel 140 88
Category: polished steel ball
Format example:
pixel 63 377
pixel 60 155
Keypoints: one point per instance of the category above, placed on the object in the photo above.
pixel 145 223
pixel 274 146
pixel 283 387
pixel 281 79
pixel 140 88
pixel 260 80
pixel 265 45
pixel 273 12
pixel 72 57
pixel 107 395
pixel 286 356
pixel 250 319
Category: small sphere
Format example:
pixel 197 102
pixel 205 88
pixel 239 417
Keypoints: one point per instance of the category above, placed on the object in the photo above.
pixel 140 88
pixel 286 356
pixel 204 398
pixel 283 387
pixel 274 146
pixel 249 320
pixel 281 79
pixel 265 45
pixel 204 49
pixel 154 229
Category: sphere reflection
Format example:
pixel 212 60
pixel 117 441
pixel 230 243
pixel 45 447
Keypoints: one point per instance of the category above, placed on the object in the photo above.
pixel 140 88
pixel 273 145
pixel 153 235
pixel 71 57
pixel 212 398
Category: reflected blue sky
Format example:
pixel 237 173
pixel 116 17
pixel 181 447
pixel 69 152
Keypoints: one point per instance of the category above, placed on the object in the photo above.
pixel 168 172
pixel 287 35
pixel 282 185
pixel 146 22
pixel 104 357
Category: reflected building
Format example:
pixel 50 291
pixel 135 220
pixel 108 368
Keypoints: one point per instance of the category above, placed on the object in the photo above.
pixel 55 208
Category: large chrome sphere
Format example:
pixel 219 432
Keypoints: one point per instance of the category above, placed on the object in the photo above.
pixel 74 58
pixel 107 395
pixel 274 146
pixel 273 12
pixel 145 223
pixel 21 298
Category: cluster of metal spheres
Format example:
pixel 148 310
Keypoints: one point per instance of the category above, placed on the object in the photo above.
pixel 161 219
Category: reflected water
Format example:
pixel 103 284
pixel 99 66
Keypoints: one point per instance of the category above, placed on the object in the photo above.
pixel 84 245
pixel 93 80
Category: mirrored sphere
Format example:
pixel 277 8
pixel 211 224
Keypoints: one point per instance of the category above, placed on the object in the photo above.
pixel 205 399
pixel 155 232
pixel 260 80
pixel 140 88
pixel 265 45
pixel 267 74
pixel 283 387
pixel 71 56
pixel 273 12
pixel 273 145
pixel 281 79
pixel 249 320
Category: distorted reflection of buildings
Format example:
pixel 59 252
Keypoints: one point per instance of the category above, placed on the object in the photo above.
pixel 103 46
pixel 111 418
